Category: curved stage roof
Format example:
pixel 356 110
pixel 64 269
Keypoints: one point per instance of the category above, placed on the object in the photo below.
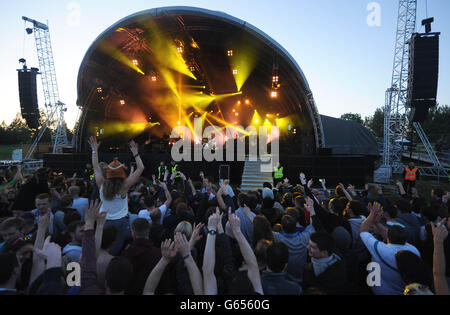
pixel 162 66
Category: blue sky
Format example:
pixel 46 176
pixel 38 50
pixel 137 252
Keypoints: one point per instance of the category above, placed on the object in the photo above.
pixel 347 63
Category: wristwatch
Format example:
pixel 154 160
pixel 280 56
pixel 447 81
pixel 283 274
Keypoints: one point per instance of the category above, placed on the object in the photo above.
pixel 212 232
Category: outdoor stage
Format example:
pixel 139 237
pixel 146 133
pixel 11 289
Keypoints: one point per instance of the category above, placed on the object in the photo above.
pixel 160 70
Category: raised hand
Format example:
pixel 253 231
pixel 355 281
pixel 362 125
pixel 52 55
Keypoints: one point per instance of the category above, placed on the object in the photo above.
pixel 181 244
pixel 214 219
pixel 235 222
pixel 91 213
pixel 51 252
pixel 134 147
pixel 44 221
pixel 195 237
pixel 440 232
pixel 310 183
pixel 93 143
pixel 101 217
pixel 168 250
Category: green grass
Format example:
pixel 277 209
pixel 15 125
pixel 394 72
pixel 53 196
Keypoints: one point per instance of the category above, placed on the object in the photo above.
pixel 7 150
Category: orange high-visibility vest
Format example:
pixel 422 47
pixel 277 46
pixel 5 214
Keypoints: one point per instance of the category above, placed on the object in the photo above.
pixel 411 175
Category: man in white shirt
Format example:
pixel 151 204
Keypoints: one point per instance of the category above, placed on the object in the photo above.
pixel 150 203
pixel 42 203
pixel 384 253
pixel 78 202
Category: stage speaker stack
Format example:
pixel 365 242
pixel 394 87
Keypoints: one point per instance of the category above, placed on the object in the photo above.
pixel 423 75
pixel 28 96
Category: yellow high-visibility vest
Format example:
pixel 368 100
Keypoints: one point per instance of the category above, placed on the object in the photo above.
pixel 278 173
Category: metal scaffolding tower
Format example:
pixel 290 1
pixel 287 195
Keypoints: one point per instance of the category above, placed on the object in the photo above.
pixel 396 113
pixel 53 106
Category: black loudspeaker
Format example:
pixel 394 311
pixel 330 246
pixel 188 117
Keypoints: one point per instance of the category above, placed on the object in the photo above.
pixel 423 75
pixel 28 96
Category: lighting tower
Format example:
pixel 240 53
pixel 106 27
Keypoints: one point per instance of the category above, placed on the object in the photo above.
pixel 54 107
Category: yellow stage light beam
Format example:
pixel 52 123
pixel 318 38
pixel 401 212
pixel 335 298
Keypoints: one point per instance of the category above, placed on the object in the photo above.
pixel 221 121
pixel 115 53
pixel 256 120
pixel 244 61
pixel 117 127
pixel 166 52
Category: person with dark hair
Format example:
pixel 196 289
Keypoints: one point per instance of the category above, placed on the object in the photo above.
pixel 78 202
pixel 11 231
pixel 296 243
pixel 409 220
pixel 439 201
pixel 327 270
pixel 156 228
pixel 143 255
pixel 261 230
pixel 391 282
pixel 413 269
pixel 42 203
pixel 300 203
pixel 118 276
pixel 274 279
pixel 36 185
pixel 73 249
pixel 151 205
pixel 246 216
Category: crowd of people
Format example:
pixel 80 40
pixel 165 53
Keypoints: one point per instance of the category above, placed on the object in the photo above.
pixel 191 236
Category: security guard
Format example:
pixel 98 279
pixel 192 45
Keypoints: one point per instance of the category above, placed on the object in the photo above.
pixel 162 168
pixel 175 169
pixel 278 174
pixel 410 176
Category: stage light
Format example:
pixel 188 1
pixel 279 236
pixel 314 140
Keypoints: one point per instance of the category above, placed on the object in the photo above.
pixel 180 49
pixel 234 110
pixel 274 94
pixel 235 72
pixel 239 102
pixel 154 78
pixel 122 102
pixel 179 123
pixel 236 114
pixel 192 69
pixel 135 62
pixel 99 90
pixel 247 102
pixel 230 53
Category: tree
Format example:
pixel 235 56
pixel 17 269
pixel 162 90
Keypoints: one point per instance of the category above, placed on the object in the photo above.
pixel 437 126
pixel 352 117
pixel 376 123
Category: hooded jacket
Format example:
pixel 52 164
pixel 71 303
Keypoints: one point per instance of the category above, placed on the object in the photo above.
pixel 144 256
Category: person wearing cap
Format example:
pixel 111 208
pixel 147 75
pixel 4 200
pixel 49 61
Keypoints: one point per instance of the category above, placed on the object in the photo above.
pixel 114 192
